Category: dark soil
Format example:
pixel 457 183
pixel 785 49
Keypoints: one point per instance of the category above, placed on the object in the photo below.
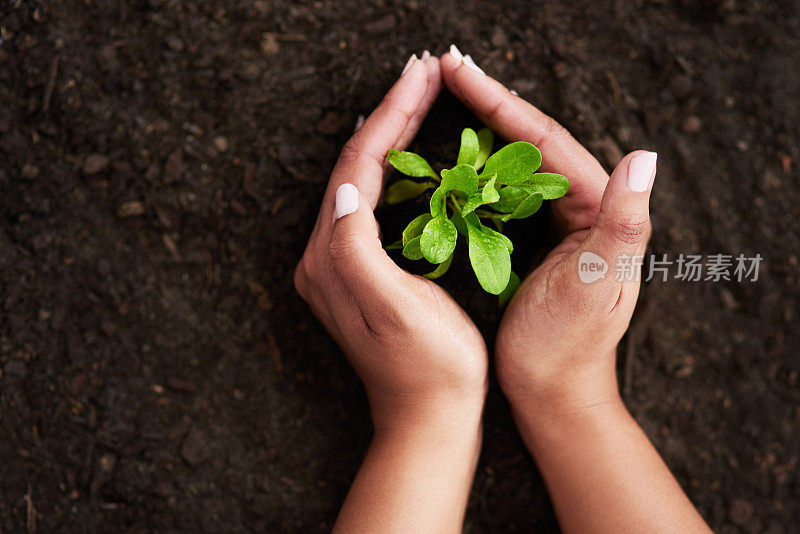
pixel 162 164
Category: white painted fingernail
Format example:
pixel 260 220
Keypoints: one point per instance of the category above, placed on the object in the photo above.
pixel 455 52
pixel 425 55
pixel 642 171
pixel 346 200
pixel 410 62
pixel 467 60
pixel 513 92
pixel 359 123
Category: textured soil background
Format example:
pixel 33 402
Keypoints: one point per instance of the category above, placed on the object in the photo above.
pixel 161 166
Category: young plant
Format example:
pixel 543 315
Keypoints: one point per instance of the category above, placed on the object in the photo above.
pixel 507 188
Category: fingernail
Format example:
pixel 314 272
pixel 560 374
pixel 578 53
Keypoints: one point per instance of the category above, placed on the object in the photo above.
pixel 410 62
pixel 359 123
pixel 346 200
pixel 513 92
pixel 425 55
pixel 642 171
pixel 456 53
pixel 467 60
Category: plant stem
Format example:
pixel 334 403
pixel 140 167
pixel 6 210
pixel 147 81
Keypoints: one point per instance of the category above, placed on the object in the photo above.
pixel 454 203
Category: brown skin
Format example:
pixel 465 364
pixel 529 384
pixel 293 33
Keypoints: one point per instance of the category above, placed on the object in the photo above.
pixel 555 353
pixel 556 347
pixel 426 402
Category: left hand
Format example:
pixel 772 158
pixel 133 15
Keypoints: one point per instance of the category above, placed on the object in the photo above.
pixel 421 358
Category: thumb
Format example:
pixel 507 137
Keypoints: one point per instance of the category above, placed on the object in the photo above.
pixel 356 253
pixel 622 226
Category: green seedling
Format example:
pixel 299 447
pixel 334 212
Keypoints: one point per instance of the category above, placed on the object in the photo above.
pixel 465 196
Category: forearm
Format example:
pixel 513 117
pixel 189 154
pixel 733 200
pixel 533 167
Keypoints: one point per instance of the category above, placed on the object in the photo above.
pixel 414 479
pixel 603 474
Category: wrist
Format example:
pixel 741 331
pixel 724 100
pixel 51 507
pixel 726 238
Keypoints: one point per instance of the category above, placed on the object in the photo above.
pixel 445 418
pixel 550 386
pixel 548 427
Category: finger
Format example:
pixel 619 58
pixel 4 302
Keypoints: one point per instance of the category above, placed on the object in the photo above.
pixel 432 92
pixel 366 271
pixel 516 120
pixel 622 227
pixel 362 158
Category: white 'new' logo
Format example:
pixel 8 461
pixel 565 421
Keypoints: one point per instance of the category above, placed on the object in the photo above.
pixel 591 267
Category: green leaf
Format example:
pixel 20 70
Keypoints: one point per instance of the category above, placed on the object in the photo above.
pixel 509 245
pixel 510 197
pixel 489 193
pixel 526 208
pixel 549 184
pixel 404 189
pixel 485 142
pixel 460 178
pixel 397 245
pixel 489 257
pixel 440 269
pixel 469 147
pixel 475 200
pixel 415 227
pixel 438 239
pixel 412 250
pixel 459 223
pixel 410 164
pixel 513 163
pixel 513 284
pixel 438 201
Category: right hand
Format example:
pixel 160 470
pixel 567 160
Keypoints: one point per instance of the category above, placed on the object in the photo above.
pixel 556 346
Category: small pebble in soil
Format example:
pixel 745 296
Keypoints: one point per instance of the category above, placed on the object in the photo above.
pixel 691 124
pixel 195 448
pixel 740 512
pixel 499 37
pixel 269 44
pixel 131 208
pixel 174 42
pixel 173 167
pixel 382 25
pixel 103 472
pixel 95 163
pixel 179 384
pixel 29 171
pixel 221 143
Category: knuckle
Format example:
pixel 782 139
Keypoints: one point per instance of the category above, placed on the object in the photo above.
pixel 352 152
pixel 385 326
pixel 553 129
pixel 498 109
pixel 344 246
pixel 630 230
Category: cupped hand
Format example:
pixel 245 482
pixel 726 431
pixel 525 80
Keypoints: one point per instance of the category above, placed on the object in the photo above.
pixel 556 346
pixel 421 358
